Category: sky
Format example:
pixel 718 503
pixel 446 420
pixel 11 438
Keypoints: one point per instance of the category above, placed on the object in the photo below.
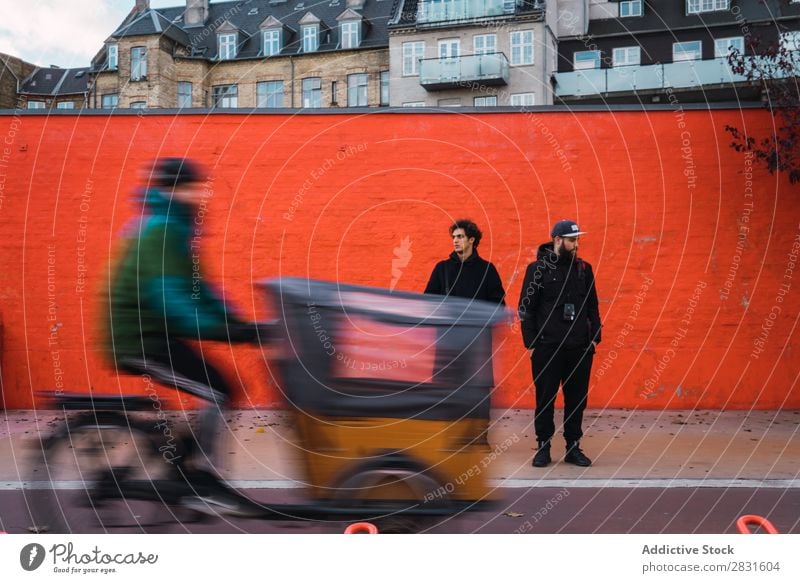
pixel 65 33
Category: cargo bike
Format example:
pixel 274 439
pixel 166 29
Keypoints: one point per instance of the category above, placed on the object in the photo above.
pixel 389 394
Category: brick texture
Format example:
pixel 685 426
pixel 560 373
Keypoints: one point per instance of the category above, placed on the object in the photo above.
pixel 691 242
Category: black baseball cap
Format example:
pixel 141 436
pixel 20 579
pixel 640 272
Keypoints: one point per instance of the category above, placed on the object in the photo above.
pixel 175 171
pixel 566 228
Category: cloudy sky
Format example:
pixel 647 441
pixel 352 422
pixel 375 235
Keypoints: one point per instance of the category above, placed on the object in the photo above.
pixel 66 33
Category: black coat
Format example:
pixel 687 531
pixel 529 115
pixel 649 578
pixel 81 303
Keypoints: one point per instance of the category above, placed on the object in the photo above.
pixel 550 282
pixel 475 279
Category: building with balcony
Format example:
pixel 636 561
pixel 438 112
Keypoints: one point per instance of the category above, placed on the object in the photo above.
pixel 246 54
pixel 451 53
pixel 645 50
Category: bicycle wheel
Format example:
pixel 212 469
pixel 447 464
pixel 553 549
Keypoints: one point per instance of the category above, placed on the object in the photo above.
pixel 98 473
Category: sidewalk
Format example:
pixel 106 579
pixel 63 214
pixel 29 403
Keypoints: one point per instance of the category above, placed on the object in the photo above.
pixel 645 448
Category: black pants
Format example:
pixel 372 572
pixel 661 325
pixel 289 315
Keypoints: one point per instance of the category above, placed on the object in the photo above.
pixel 570 368
pixel 182 367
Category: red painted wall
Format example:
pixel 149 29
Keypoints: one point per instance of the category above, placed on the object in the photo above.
pixel 693 245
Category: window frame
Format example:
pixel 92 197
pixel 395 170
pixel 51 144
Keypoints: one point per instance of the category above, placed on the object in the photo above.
pixel 354 34
pixel 315 92
pixel 523 95
pixel 139 73
pixel 699 51
pixel 227 100
pixel 717 52
pixel 384 85
pixel 484 50
pixel 521 46
pixel 697 6
pixel 358 87
pixel 483 99
pixel 112 48
pixel 270 39
pixel 109 96
pixel 630 4
pixel 182 84
pixel 598 60
pixel 36 103
pixel 264 95
pixel 626 63
pixel 313 28
pixel 414 55
pixel 65 105
pixel 227 46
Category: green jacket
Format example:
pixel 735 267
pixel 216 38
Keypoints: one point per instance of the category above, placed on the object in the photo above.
pixel 157 290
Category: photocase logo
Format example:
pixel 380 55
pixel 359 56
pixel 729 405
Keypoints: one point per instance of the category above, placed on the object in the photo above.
pixel 402 256
pixel 31 556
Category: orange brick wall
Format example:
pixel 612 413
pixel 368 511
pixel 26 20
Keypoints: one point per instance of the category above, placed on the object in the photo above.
pixel 698 311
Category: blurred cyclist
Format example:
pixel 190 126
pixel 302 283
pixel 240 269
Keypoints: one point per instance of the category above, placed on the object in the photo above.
pixel 157 301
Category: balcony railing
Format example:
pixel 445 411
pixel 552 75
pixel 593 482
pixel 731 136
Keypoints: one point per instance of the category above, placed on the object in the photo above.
pixel 447 73
pixel 645 77
pixel 457 10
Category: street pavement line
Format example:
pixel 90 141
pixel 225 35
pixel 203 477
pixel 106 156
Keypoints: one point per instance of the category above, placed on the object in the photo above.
pixel 596 483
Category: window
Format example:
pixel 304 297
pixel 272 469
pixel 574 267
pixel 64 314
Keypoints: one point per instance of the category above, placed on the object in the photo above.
pixel 626 56
pixel 65 105
pixel 138 63
pixel 698 6
pixel 312 92
pixel 450 102
pixel 184 94
pixel 385 87
pixel 522 47
pixel 449 48
pixel 688 51
pixel 725 46
pixel 351 32
pixel 586 60
pixel 272 42
pixel 310 38
pixel 414 104
pixel 36 105
pixel 483 44
pixel 522 99
pixel 357 90
pixel 486 101
pixel 627 9
pixel 790 41
pixel 112 57
pixel 226 96
pixel 138 104
pixel 412 53
pixel 109 101
pixel 269 94
pixel 226 46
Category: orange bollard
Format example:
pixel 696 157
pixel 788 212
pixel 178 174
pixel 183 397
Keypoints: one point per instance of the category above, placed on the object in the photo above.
pixel 361 528
pixel 744 522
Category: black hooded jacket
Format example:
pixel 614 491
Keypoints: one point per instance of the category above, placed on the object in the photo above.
pixel 550 282
pixel 475 279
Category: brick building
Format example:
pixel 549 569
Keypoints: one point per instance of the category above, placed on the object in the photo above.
pixel 12 72
pixel 258 53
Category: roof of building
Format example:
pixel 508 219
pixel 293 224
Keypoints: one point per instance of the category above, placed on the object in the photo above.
pixel 55 81
pixel 247 16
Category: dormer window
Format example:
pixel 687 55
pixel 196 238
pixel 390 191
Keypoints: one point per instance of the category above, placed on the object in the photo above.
pixel 226 46
pixel 310 38
pixel 112 57
pixel 273 43
pixel 351 34
pixel 350 28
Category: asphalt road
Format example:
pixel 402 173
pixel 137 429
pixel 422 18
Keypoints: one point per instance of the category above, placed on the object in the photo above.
pixel 542 510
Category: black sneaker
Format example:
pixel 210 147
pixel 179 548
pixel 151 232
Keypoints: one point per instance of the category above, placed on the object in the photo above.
pixel 542 458
pixel 575 456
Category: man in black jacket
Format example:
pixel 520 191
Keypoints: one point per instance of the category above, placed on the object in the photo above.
pixel 465 274
pixel 561 327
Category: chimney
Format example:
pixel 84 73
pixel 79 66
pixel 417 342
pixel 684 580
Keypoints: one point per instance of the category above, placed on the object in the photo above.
pixel 142 5
pixel 196 13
